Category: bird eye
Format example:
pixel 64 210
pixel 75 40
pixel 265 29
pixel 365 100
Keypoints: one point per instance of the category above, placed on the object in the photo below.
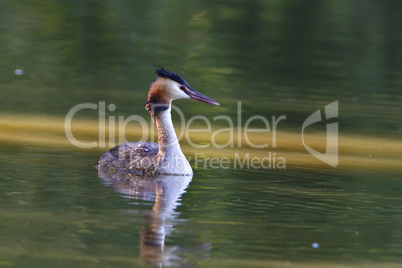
pixel 182 87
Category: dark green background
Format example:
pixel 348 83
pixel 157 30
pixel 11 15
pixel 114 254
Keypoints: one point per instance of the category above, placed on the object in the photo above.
pixel 277 57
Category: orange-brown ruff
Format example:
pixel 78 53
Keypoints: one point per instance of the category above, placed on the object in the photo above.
pixel 164 157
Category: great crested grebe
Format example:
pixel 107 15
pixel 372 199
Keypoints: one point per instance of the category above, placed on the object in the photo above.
pixel 164 157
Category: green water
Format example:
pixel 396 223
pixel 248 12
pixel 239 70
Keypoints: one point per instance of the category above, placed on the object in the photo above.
pixel 56 212
pixel 277 57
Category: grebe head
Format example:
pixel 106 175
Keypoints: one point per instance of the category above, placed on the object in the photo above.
pixel 170 86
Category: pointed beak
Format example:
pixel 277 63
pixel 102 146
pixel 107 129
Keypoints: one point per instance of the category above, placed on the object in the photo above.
pixel 198 96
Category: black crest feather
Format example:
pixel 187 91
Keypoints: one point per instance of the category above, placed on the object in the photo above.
pixel 172 76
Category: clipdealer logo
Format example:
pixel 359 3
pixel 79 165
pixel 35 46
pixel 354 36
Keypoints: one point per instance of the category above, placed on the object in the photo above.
pixel 271 160
pixel 330 156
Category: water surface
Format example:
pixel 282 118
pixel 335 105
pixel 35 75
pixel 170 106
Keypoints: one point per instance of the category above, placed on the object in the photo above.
pixel 278 58
pixel 56 211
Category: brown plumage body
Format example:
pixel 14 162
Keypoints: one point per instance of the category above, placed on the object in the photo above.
pixel 165 157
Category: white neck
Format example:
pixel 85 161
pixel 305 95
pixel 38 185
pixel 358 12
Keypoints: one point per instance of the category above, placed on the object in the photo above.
pixel 167 139
pixel 169 153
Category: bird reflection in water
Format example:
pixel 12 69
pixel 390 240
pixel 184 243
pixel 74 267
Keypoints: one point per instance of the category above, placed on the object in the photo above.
pixel 166 191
